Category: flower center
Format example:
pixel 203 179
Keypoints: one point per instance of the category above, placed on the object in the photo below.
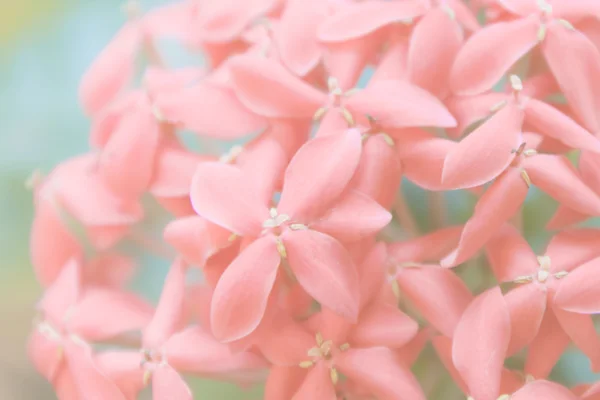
pixel 324 351
pixel 275 220
pixel 543 273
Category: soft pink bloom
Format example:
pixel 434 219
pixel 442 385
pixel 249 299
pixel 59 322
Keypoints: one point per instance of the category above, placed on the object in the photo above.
pixel 553 297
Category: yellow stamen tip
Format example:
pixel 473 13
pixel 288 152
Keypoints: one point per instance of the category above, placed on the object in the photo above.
pixel 333 374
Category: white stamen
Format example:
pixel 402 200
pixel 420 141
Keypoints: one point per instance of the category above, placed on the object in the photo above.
pixel 498 105
pixel 388 139
pixel 298 227
pixel 544 6
pixel 541 33
pixel 231 155
pixel 320 113
pixel 566 24
pixel 158 114
pixel 333 84
pixel 561 274
pixel 523 279
pixel 281 249
pixel 446 8
pixel 543 275
pixel 516 83
pixel 544 262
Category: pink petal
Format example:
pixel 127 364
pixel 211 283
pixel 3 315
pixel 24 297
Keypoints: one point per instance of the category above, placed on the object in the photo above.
pixel 64 293
pixel 123 368
pixel 168 317
pixel 426 248
pixel 316 385
pixel 65 387
pixel 527 305
pixel 397 104
pixel 379 172
pixel 92 382
pixel 51 243
pixel 571 248
pixel 127 161
pixel 497 205
pixel 197 351
pixel 489 54
pixel 283 382
pixel 435 41
pixel 565 217
pixel 437 293
pixel 289 346
pixel 543 390
pixel 468 110
pixel 443 348
pixel 221 194
pixel 44 354
pixel 556 176
pixel 582 332
pixel 158 80
pixel 110 269
pixel 355 216
pixel 562 43
pixel 209 110
pixel 510 255
pixel 297 35
pixel 83 193
pixel 383 325
pixel 105 313
pixel 480 343
pixel 551 122
pixel 589 166
pixel 264 162
pixel 464 15
pixel 167 384
pixel 223 21
pixel 268 89
pixel 546 348
pixel 422 157
pixel 347 60
pixel 240 298
pixel 371 273
pixel 578 291
pixel 174 171
pixel 519 7
pixel 358 20
pixel 196 239
pixel 379 370
pixel 318 174
pixel 325 270
pixel 486 152
pixel 393 64
pixel 111 70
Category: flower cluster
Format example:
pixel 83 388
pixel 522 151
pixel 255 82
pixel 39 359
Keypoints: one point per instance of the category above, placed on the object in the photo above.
pixel 315 277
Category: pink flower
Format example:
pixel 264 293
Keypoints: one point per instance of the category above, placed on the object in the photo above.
pixel 303 230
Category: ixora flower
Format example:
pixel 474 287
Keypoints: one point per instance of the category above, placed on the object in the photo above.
pixel 72 314
pixel 300 257
pixel 554 298
pixel 170 346
pixel 304 231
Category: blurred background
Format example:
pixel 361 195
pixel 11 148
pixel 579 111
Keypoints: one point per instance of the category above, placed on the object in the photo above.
pixel 45 46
